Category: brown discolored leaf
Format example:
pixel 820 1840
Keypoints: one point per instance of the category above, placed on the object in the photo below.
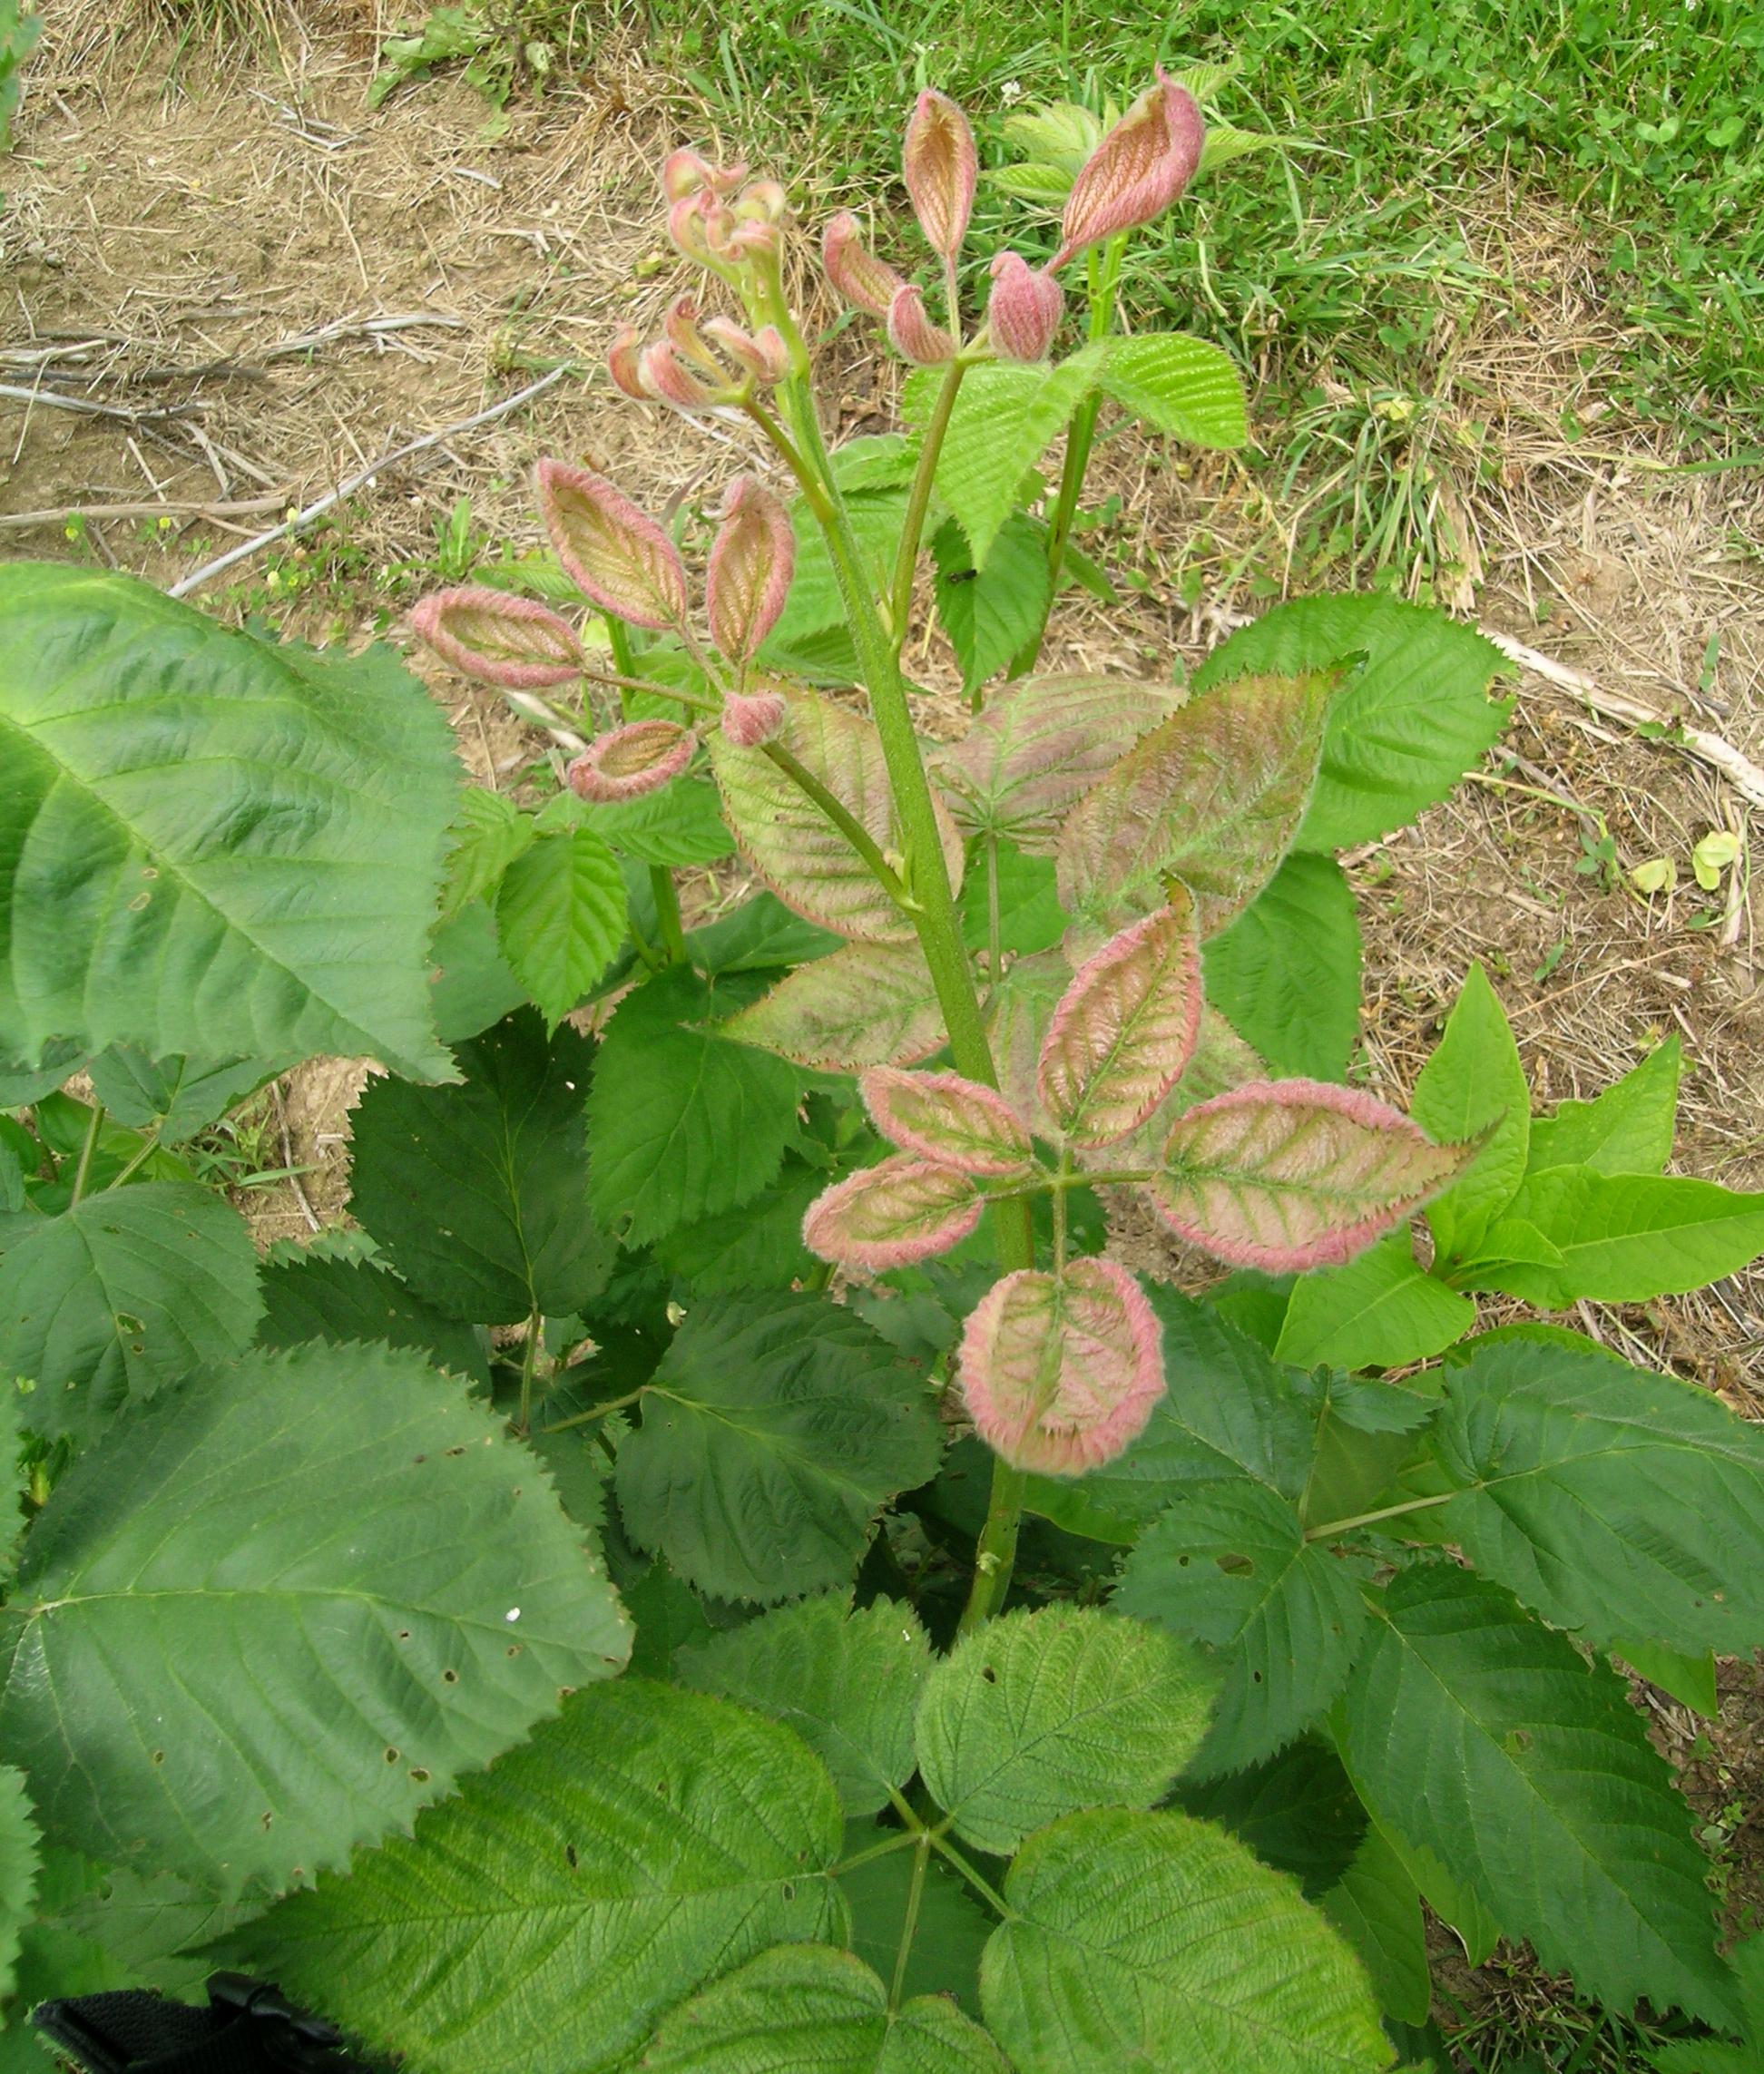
pixel 1286 1175
pixel 869 1005
pixel 943 1116
pixel 888 1216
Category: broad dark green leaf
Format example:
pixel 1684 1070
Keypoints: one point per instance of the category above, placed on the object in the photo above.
pixel 551 1913
pixel 1227 1566
pixel 773 1430
pixel 680 826
pixel 756 1246
pixel 988 613
pixel 211 845
pixel 759 935
pixel 477 1192
pixel 1157 1943
pixel 1616 1502
pixel 20 1084
pixel 121 1295
pixel 1042 1713
pixel 1474 1083
pixel 324 1295
pixel 949 1932
pixel 561 917
pixel 847 1682
pixel 1627 1129
pixel 1286 972
pixel 1298 1812
pixel 1376 1906
pixel 1414 719
pixel 815 2010
pixel 1030 917
pixel 1489 1741
pixel 284 1607
pixel 18 1870
pixel 471 985
pixel 172 1097
pixel 1380 1311
pixel 684 1121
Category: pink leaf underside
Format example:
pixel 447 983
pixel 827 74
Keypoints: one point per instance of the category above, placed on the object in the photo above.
pixel 804 860
pixel 1018 1013
pixel 1221 1060
pixel 1060 1373
pixel 890 1215
pixel 1125 1028
pixel 753 560
pixel 1287 1175
pixel 943 1116
pixel 1038 747
pixel 868 1004
pixel 1214 795
pixel 615 553
pixel 511 642
pixel 641 757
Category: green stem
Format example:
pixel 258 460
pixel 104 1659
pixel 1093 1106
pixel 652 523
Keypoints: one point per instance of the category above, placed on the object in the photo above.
pixel 83 1172
pixel 897 1842
pixel 595 1412
pixel 843 819
pixel 909 1924
pixel 667 913
pixel 529 1367
pixel 1331 1528
pixel 900 592
pixel 138 1159
pixel 982 1886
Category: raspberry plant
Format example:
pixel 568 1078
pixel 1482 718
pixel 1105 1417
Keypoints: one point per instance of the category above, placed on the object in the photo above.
pixel 719 1566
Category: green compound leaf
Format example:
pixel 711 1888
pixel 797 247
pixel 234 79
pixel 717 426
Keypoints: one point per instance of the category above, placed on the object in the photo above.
pixel 19 1855
pixel 126 1292
pixel 1157 1943
pixel 210 845
pixel 1406 726
pixel 683 1123
pixel 1616 1237
pixel 815 2010
pixel 476 1191
pixel 1376 1907
pixel 283 1608
pixel 1489 1742
pixel 472 985
pixel 989 613
pixel 869 1005
pixel 1178 385
pixel 549 1915
pixel 1380 1311
pixel 561 918
pixel 1618 1504
pixel 774 1428
pixel 1286 972
pixel 949 1932
pixel 1627 1129
pixel 1046 1712
pixel 1229 1567
pixel 324 1295
pixel 1474 1084
pixel 847 1682
pixel 1214 795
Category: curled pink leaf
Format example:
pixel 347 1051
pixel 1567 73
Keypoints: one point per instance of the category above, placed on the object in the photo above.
pixel 761 354
pixel 761 202
pixel 941 168
pixel 687 229
pixel 641 757
pixel 890 1215
pixel 680 326
pixel 621 364
pixel 1061 1372
pixel 614 553
pixel 911 332
pixel 956 1122
pixel 752 561
pixel 512 642
pixel 1287 1175
pixel 687 173
pixel 1125 1028
pixel 665 375
pixel 1026 309
pixel 867 283
pixel 1138 169
pixel 750 719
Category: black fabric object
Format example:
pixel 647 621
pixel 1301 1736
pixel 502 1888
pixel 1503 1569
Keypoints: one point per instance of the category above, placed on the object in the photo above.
pixel 247 2028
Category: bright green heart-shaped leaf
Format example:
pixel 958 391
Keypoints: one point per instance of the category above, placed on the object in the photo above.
pixel 773 1430
pixel 1159 1942
pixel 1046 1712
pixel 476 1191
pixel 1408 724
pixel 1178 385
pixel 126 1292
pixel 1627 1129
pixel 1480 1736
pixel 316 1294
pixel 816 2011
pixel 1379 1311
pixel 507 1932
pixel 847 1682
pixel 869 1005
pixel 1286 972
pixel 1227 1566
pixel 1474 1086
pixel 212 846
pixel 334 1521
pixel 561 918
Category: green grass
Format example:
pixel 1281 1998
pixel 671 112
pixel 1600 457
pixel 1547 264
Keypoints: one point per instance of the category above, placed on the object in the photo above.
pixel 1642 115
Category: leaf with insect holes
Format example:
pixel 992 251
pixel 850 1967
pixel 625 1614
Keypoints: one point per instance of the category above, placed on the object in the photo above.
pixel 888 1216
pixel 1046 1712
pixel 868 1004
pixel 944 1118
pixel 808 862
pixel 1286 1175
pixel 989 613
pixel 1038 748
pixel 561 918
pixel 1125 1028
pixel 1213 796
pixel 1059 1372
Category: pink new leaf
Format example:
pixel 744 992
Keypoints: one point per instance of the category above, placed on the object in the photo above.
pixel 1125 1028
pixel 1287 1175
pixel 752 561
pixel 1025 310
pixel 957 1122
pixel 1137 171
pixel 911 332
pixel 941 167
pixel 610 551
pixel 641 757
pixel 751 717
pixel 867 283
pixel 508 641
pixel 890 1215
pixel 1061 1372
